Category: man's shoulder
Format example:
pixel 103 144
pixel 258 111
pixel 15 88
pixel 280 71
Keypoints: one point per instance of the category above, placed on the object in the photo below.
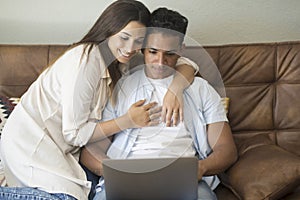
pixel 135 75
pixel 199 82
pixel 199 88
pixel 132 80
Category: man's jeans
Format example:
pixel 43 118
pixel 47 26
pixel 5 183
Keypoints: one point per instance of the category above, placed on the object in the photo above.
pixel 204 193
pixel 28 193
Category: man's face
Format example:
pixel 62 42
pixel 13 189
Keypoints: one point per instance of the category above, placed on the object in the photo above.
pixel 161 54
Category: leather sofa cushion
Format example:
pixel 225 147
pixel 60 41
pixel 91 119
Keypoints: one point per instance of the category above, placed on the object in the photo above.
pixel 264 170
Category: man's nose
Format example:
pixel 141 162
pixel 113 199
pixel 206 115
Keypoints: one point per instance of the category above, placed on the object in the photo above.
pixel 161 59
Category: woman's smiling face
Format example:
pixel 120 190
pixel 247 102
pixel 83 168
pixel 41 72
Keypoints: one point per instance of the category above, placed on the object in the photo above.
pixel 126 43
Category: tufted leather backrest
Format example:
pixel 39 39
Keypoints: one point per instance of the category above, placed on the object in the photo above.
pixel 263 84
pixel 20 65
pixel 261 80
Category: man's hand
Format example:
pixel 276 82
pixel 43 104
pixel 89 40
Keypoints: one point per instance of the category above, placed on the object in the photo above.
pixel 201 170
pixel 92 154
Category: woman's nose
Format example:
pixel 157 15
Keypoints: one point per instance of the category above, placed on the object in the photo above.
pixel 130 47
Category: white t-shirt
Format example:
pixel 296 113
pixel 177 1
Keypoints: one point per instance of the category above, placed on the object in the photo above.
pixel 162 141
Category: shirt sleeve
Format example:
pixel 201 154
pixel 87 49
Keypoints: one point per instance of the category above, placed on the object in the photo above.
pixel 109 112
pixel 187 61
pixel 213 108
pixel 80 81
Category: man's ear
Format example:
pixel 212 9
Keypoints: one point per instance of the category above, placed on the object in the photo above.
pixel 183 46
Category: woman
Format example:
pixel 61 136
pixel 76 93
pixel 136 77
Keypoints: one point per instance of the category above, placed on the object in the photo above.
pixel 62 109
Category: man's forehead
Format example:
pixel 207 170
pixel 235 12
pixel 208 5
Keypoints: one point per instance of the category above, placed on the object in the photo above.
pixel 163 41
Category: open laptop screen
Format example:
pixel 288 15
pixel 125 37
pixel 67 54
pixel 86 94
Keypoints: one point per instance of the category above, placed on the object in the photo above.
pixel 151 178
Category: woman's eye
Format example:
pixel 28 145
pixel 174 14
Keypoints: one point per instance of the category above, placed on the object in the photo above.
pixel 124 38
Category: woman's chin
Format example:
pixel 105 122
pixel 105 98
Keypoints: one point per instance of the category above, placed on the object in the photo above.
pixel 123 59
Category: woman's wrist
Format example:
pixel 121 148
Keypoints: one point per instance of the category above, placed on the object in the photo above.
pixel 179 83
pixel 176 89
pixel 124 122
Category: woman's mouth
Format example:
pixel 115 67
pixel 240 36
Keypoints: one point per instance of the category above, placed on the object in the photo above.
pixel 124 53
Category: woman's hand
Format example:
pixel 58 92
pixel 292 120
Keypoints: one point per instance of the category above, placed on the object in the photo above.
pixel 172 109
pixel 140 115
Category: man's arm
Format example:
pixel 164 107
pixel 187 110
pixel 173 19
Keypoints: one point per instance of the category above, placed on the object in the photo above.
pixel 92 154
pixel 224 152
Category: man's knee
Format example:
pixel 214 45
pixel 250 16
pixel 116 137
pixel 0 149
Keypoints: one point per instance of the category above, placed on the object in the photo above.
pixel 205 192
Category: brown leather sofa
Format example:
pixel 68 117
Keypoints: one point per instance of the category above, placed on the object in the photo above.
pixel 263 84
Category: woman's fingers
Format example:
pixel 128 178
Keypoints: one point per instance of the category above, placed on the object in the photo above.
pixel 155 116
pixel 175 118
pixel 172 117
pixel 139 103
pixel 150 114
pixel 140 114
pixel 169 117
pixel 149 105
pixel 154 122
pixel 154 110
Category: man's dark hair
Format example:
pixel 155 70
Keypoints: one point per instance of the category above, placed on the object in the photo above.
pixel 168 19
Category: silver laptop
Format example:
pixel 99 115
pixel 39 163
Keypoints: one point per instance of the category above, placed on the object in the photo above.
pixel 145 179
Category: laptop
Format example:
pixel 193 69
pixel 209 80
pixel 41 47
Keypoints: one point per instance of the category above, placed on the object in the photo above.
pixel 151 178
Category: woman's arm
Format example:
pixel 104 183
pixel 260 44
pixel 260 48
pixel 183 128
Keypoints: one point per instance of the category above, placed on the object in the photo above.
pixel 94 151
pixel 173 100
pixel 137 116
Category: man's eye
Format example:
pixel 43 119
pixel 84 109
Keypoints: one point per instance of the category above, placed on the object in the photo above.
pixel 152 51
pixel 171 53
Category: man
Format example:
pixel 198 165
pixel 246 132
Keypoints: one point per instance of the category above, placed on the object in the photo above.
pixel 204 132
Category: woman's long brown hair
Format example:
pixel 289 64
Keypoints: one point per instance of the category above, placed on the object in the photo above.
pixel 113 19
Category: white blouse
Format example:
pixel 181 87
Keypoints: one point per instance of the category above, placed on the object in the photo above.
pixel 55 117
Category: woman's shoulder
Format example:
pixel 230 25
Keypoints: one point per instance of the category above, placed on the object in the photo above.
pixel 73 52
pixel 83 48
pixel 87 54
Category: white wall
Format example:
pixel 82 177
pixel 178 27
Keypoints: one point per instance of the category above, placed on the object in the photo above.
pixel 211 21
